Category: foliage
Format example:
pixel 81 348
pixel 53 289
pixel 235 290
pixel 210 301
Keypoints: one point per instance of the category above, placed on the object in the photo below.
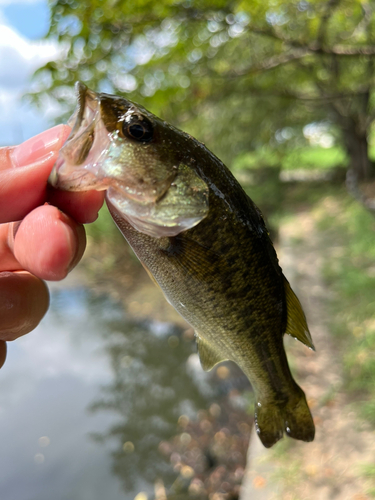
pixel 104 228
pixel 251 72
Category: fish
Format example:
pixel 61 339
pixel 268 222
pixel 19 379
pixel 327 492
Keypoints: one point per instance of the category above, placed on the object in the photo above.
pixel 202 240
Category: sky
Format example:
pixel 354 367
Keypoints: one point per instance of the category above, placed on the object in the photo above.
pixel 22 24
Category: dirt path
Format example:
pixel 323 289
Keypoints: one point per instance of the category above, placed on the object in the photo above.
pixel 330 467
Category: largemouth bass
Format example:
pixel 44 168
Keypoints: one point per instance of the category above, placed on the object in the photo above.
pixel 201 239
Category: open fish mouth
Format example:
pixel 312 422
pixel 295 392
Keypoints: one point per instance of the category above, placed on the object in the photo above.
pixel 77 167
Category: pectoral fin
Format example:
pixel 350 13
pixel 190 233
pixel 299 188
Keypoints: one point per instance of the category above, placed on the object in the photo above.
pixel 296 322
pixel 208 355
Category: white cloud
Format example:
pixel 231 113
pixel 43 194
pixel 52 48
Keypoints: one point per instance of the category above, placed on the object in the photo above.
pixel 19 58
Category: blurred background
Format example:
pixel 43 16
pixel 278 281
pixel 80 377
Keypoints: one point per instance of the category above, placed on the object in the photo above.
pixel 107 398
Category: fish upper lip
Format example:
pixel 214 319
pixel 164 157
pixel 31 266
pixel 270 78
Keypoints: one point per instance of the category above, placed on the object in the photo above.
pixel 82 92
pixel 88 108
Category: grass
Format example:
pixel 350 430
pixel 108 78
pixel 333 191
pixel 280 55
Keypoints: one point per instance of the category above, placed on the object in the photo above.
pixel 368 471
pixel 315 158
pixel 308 157
pixel 347 232
pixel 349 273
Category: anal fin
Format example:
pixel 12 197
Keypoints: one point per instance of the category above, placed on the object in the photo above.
pixel 208 355
pixel 296 321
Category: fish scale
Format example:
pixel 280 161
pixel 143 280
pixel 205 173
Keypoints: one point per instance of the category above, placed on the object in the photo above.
pixel 203 241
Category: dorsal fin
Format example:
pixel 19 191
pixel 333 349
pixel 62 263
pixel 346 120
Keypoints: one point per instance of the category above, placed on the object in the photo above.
pixel 296 322
pixel 208 355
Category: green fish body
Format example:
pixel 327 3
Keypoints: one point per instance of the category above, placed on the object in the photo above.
pixel 202 240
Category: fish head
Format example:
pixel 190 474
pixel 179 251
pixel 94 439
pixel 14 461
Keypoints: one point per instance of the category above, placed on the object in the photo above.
pixel 118 146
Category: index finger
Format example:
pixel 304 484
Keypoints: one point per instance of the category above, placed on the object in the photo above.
pixel 24 172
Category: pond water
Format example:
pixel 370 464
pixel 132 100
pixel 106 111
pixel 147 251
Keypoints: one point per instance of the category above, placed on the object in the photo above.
pixel 96 405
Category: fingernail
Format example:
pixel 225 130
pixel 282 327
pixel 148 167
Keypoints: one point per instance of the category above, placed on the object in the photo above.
pixel 76 240
pixel 3 352
pixel 35 148
pixel 12 231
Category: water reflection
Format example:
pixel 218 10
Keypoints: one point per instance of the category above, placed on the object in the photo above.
pixel 171 429
pixel 156 420
pixel 150 389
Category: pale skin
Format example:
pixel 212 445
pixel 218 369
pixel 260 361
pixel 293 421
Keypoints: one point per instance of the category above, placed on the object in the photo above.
pixel 41 231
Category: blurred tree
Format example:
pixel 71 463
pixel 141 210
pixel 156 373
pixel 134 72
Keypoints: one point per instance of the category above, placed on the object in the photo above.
pixel 254 72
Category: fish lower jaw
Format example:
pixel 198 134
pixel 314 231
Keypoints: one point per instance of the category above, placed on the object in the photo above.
pixel 82 180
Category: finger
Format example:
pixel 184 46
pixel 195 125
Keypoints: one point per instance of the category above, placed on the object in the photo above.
pixel 8 262
pixel 48 243
pixel 24 300
pixel 3 352
pixel 24 171
pixel 83 206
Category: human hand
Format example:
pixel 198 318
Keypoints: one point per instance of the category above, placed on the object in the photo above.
pixel 37 240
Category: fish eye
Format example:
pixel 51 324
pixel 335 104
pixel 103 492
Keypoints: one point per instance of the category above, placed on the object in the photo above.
pixel 137 128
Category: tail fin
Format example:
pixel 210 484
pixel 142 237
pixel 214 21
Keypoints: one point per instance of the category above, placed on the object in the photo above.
pixel 273 418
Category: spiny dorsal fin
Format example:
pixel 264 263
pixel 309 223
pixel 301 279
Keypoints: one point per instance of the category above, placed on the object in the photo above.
pixel 208 355
pixel 296 322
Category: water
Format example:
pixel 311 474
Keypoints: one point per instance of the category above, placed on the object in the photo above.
pixel 90 404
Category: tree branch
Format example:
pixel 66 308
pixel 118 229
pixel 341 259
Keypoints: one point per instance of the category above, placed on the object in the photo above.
pixel 344 50
pixel 271 62
pixel 316 47
pixel 329 9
